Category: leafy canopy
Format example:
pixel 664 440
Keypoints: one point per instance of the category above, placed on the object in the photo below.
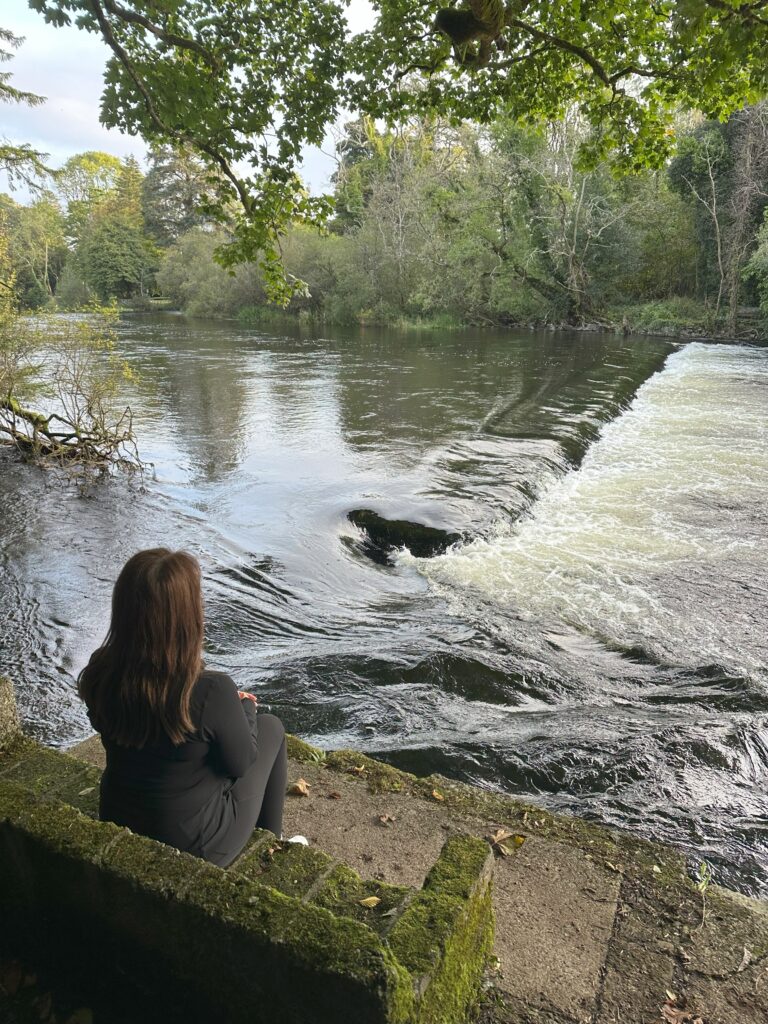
pixel 22 164
pixel 246 84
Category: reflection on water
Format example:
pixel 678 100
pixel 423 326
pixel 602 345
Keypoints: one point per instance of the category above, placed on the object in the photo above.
pixel 525 660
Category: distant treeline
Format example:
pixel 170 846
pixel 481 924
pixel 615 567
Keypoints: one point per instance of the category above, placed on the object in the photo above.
pixel 433 223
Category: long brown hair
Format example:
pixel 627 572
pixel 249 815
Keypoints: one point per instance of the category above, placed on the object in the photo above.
pixel 137 685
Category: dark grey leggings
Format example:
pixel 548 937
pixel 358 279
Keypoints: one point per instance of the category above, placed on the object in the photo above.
pixel 257 797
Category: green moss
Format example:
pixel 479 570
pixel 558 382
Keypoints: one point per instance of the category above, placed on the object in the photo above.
pixel 47 772
pixel 343 889
pixel 445 935
pixel 380 777
pixel 288 867
pixel 260 839
pixel 14 801
pixel 298 750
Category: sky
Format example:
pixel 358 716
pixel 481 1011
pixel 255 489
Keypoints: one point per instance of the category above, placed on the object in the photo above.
pixel 65 65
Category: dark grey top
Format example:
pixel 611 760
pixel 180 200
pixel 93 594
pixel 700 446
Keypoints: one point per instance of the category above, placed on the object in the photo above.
pixel 178 794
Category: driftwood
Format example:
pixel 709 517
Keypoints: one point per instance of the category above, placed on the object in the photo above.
pixel 55 438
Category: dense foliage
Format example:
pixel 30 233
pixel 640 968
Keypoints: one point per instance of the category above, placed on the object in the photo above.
pixel 436 223
pixel 431 222
pixel 256 80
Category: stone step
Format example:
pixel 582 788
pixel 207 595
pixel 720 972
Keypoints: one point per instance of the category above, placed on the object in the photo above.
pixel 313 876
pixel 51 773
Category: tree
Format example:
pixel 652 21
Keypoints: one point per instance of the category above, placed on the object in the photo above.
pixel 84 182
pixel 70 366
pixel 105 223
pixel 174 191
pixel 253 82
pixel 723 169
pixel 115 258
pixel 36 247
pixel 21 163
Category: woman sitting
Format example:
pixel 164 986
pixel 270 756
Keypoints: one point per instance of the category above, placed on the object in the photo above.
pixel 189 762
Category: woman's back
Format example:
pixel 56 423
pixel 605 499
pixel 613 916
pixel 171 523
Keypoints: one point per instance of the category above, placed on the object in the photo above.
pixel 182 763
pixel 174 793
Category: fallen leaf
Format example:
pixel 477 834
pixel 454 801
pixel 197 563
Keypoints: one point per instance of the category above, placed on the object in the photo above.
pixel 334 795
pixel 386 820
pixel 500 835
pixel 746 960
pixel 656 869
pixel 359 770
pixel 370 901
pixel 500 839
pixel 299 788
pixel 11 976
pixel 674 1012
pixel 437 795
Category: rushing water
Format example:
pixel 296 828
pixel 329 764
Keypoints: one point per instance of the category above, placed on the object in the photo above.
pixel 597 643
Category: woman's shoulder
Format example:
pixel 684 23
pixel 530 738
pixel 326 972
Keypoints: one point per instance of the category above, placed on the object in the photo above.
pixel 211 687
pixel 212 679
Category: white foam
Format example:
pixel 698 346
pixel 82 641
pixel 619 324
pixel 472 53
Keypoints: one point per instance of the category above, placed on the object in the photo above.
pixel 659 539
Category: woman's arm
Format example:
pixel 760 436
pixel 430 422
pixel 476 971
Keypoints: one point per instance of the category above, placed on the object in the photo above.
pixel 229 724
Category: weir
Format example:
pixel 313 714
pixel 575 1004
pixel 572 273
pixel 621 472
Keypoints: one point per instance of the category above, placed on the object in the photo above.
pixel 591 925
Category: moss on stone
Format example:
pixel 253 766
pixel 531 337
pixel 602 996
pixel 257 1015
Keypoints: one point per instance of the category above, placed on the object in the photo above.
pixel 380 777
pixel 298 750
pixel 343 890
pixel 51 773
pixel 445 935
pixel 260 839
pixel 288 867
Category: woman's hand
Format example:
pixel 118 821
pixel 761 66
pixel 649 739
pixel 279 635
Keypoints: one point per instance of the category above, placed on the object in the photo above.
pixel 247 696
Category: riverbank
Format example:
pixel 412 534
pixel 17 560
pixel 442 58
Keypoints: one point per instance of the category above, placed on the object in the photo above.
pixel 677 319
pixel 591 925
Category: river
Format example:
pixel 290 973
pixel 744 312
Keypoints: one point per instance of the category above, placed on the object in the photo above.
pixel 596 643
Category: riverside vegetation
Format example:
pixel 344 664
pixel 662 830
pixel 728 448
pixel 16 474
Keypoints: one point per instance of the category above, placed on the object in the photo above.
pixel 507 164
pixel 433 224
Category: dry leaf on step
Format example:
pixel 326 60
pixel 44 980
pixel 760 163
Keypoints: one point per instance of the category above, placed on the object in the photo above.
pixel 334 795
pixel 673 1013
pixel 370 901
pixel 502 841
pixel 299 788
pixel 386 819
pixel 437 795
pixel 358 770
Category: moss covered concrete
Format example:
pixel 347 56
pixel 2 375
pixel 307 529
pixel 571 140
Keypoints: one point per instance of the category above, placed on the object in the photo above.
pixel 282 935
pixel 343 891
pixel 445 935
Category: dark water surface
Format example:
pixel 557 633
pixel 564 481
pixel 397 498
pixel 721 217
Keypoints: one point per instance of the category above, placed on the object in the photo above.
pixel 598 643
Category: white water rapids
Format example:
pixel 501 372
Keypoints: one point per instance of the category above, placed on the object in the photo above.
pixel 658 542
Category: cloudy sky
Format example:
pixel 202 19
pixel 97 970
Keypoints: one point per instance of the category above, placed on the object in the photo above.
pixel 65 65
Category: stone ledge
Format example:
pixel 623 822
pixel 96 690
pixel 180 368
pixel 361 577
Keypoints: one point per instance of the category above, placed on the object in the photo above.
pixel 259 942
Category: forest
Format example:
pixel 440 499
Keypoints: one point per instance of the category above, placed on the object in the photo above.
pixel 432 223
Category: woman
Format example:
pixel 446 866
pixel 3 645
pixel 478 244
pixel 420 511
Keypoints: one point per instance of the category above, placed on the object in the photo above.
pixel 188 761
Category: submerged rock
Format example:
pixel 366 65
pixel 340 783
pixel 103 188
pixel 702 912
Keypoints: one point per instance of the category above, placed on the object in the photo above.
pixel 382 536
